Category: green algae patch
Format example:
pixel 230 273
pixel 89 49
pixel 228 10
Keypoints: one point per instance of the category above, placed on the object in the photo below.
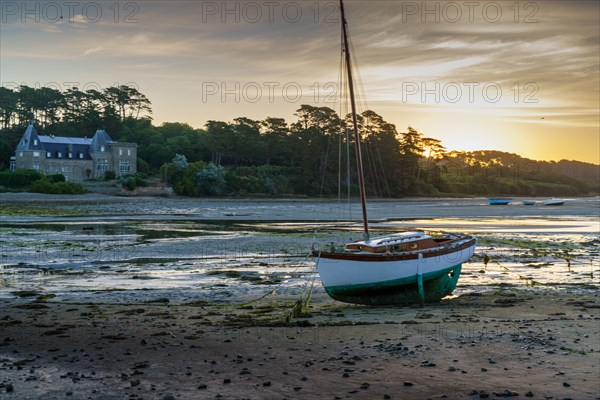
pixel 24 211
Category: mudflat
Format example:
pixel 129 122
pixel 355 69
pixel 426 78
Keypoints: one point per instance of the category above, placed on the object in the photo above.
pixel 528 343
pixel 106 297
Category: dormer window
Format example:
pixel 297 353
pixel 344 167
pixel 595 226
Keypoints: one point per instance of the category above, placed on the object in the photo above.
pixel 35 142
pixel 48 154
pixel 101 148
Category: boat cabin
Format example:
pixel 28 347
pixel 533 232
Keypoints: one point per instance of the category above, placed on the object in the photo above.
pixel 399 242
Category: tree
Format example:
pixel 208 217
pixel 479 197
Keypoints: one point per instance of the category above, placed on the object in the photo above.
pixel 180 162
pixel 8 106
pixel 211 180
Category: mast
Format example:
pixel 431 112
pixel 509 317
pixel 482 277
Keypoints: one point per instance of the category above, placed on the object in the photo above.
pixel 361 179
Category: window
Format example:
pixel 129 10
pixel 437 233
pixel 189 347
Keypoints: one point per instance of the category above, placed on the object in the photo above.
pixel 48 154
pixel 128 152
pixel 36 165
pixel 70 155
pixel 12 165
pixel 58 154
pixel 101 148
pixel 102 165
pixel 35 142
pixel 124 166
pixel 36 153
pixel 120 152
pixel 20 154
pixel 81 156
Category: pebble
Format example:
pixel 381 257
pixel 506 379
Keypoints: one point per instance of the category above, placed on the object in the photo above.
pixel 267 383
pixel 203 386
pixel 451 368
pixel 529 394
pixel 566 384
pixel 407 383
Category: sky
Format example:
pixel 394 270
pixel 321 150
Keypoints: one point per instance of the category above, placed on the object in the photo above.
pixel 516 76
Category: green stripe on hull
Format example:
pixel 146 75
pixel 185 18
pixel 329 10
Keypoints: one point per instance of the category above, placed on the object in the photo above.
pixel 400 291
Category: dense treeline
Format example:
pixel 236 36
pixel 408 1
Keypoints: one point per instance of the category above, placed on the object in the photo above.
pixel 272 156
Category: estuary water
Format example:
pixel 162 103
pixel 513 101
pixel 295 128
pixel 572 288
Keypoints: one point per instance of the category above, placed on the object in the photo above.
pixel 95 248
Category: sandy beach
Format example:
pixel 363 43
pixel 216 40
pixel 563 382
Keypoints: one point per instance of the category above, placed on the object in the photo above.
pixel 538 344
pixel 151 298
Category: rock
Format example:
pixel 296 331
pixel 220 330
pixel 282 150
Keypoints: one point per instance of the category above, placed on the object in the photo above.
pixel 202 387
pixel 168 397
pixel 566 384
pixel 529 394
pixel 267 383
pixel 407 383
pixel 9 388
pixel 451 368
pixel 387 397
pixel 226 380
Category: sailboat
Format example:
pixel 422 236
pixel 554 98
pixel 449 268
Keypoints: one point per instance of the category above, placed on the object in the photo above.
pixel 401 268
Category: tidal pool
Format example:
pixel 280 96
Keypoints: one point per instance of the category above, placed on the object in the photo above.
pixel 107 249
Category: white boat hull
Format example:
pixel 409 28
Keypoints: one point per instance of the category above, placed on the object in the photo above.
pixel 381 279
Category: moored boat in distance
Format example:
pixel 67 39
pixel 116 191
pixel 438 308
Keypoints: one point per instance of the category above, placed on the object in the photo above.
pixel 401 268
pixel 498 202
pixel 528 203
pixel 554 202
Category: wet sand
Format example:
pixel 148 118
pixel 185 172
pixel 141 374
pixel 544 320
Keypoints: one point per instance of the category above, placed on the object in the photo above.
pixel 538 344
pixel 147 337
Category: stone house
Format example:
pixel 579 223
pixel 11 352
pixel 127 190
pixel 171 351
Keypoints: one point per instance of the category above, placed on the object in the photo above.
pixel 77 159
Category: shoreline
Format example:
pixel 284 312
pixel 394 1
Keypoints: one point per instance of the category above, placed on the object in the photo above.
pixel 538 344
pixel 31 196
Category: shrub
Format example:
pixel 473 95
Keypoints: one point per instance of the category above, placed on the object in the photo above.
pixel 56 178
pixel 20 178
pixel 41 186
pixel 109 175
pixel 130 182
pixel 45 186
pixel 211 180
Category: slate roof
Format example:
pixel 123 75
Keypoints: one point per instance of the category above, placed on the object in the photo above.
pixel 100 139
pixel 30 140
pixel 56 145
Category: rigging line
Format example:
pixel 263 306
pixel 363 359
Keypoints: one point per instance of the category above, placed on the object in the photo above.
pixel 373 168
pixel 361 95
pixel 341 129
pixel 324 171
pixel 387 186
pixel 346 121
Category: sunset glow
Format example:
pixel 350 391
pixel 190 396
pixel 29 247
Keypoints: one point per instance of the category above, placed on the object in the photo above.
pixel 520 77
